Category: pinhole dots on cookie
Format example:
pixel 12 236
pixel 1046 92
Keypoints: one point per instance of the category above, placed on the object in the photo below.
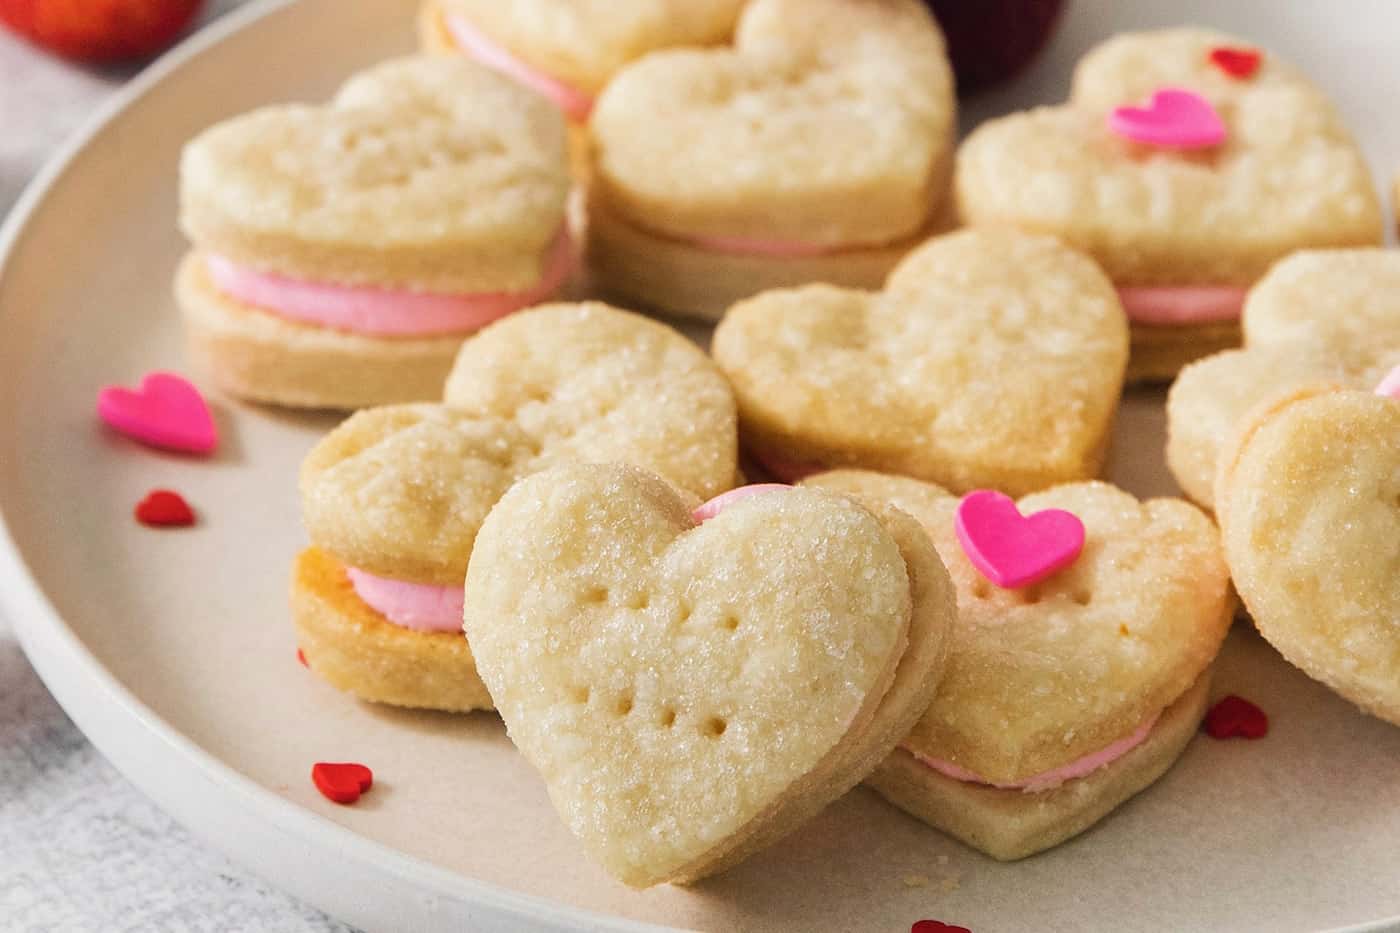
pixel 623 706
pixel 639 600
pixel 729 622
pixel 981 589
pixel 713 727
pixel 579 695
pixel 1082 597
pixel 668 717
pixel 595 595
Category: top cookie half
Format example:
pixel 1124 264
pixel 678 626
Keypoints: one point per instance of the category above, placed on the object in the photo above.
pixel 423 173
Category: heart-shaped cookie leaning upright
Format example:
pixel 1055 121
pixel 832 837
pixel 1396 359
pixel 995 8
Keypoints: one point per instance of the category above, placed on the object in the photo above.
pixel 693 684
pixel 394 497
pixel 1309 504
pixel 1185 162
pixel 342 252
pixel 1067 695
pixel 817 149
pixel 1318 316
pixel 991 358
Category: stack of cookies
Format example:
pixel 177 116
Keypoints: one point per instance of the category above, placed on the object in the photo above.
pixel 541 509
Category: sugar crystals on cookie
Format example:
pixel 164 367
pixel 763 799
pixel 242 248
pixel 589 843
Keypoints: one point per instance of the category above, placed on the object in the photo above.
pixel 690 692
pixel 1308 497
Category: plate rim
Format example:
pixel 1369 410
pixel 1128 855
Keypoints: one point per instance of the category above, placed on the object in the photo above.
pixel 82 685
pixel 87 691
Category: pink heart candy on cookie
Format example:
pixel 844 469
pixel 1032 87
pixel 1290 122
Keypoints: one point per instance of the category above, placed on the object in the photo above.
pixel 1014 550
pixel 1174 119
pixel 166 412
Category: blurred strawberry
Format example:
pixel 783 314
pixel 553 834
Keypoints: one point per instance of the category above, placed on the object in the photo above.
pixel 99 31
pixel 991 40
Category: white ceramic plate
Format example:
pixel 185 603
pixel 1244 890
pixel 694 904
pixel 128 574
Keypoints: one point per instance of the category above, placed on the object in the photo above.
pixel 172 650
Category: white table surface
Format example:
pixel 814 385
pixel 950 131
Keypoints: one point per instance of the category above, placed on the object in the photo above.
pixel 80 848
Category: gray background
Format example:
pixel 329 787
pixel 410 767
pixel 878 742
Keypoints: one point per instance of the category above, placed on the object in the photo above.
pixel 80 848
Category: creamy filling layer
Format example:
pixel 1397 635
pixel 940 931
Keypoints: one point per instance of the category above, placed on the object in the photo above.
pixel 725 499
pixel 378 312
pixel 1390 385
pixel 418 606
pixel 575 103
pixel 1182 304
pixel 1046 780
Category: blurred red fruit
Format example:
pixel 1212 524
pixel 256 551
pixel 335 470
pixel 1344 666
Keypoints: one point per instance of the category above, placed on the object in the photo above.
pixel 99 31
pixel 991 40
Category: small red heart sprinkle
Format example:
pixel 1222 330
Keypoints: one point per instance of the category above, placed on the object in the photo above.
pixel 342 783
pixel 936 926
pixel 1234 717
pixel 1237 63
pixel 301 659
pixel 163 508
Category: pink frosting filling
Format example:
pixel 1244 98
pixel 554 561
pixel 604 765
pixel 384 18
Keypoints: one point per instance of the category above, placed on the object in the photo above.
pixel 724 500
pixel 1047 780
pixel 1182 304
pixel 1390 385
pixel 575 103
pixel 419 606
pixel 384 312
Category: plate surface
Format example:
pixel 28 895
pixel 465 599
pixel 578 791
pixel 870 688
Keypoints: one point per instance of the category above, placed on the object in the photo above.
pixel 173 651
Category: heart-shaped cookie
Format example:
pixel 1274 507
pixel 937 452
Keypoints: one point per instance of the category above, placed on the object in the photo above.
pixel 1180 232
pixel 1064 698
pixel 691 692
pixel 394 497
pixel 1309 504
pixel 991 359
pixel 342 252
pixel 1319 316
pixel 816 149
pixel 568 50
pixel 428 173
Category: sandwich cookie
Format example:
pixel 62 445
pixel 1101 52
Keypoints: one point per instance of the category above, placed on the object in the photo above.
pixel 693 683
pixel 1076 681
pixel 567 50
pixel 1186 162
pixel 1318 316
pixel 342 252
pixel 394 497
pixel 817 148
pixel 1308 498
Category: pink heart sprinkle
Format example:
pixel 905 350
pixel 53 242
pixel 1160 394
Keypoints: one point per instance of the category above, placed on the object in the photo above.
pixel 1175 119
pixel 1390 385
pixel 1013 550
pixel 165 412
pixel 725 499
